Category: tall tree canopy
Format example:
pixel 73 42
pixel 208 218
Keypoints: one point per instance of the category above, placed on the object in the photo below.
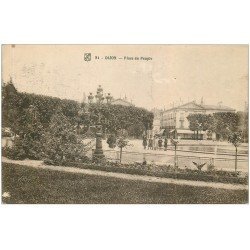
pixel 16 107
pixel 222 123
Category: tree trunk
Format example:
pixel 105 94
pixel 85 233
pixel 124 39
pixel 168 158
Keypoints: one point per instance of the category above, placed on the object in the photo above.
pixel 120 155
pixel 236 155
pixel 175 162
pixel 197 135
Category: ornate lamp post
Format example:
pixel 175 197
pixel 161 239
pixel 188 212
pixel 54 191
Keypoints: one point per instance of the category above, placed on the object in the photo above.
pixel 98 155
pixel 99 95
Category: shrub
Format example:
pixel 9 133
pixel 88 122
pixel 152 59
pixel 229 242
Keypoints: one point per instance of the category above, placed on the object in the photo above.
pixel 165 171
pixel 16 152
pixel 62 142
pixel 210 167
pixel 111 141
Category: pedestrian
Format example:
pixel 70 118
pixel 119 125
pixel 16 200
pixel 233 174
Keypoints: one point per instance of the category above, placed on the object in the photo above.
pixel 150 143
pixel 144 142
pixel 160 143
pixel 165 144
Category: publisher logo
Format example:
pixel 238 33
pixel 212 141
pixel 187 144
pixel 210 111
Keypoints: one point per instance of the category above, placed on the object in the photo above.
pixel 87 57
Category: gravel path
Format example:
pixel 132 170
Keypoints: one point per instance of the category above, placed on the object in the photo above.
pixel 41 165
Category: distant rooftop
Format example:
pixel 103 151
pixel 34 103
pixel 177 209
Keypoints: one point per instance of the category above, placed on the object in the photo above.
pixel 217 107
pixel 121 101
pixel 193 105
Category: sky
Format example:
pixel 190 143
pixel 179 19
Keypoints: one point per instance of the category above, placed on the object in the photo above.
pixel 162 75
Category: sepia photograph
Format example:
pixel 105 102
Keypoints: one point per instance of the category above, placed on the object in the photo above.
pixel 124 124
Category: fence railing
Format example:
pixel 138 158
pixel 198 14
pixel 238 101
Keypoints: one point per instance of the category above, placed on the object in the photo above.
pixel 183 161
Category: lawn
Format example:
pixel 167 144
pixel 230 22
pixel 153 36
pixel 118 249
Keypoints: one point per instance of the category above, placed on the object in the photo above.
pixel 31 186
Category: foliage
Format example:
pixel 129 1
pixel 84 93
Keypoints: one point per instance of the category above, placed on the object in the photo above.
pixel 16 152
pixel 243 124
pixel 222 123
pixel 62 143
pixel 116 117
pixel 199 122
pixel 111 141
pixel 49 128
pixel 210 167
pixel 136 130
pixel 28 143
pixel 235 138
pixel 112 117
pixel 122 142
pixel 16 106
pixel 167 171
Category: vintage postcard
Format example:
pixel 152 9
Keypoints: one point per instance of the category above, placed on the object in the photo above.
pixel 124 124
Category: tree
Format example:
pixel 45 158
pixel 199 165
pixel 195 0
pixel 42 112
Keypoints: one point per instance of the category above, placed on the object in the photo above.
pixel 62 142
pixel 236 139
pixel 113 117
pixel 224 123
pixel 136 130
pixel 111 141
pixel 121 143
pixel 199 122
pixel 28 142
pixel 117 117
pixel 243 124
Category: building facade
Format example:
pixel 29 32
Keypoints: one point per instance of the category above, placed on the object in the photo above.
pixel 175 119
pixel 121 101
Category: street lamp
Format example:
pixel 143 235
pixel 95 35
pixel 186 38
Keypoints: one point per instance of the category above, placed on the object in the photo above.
pixel 98 155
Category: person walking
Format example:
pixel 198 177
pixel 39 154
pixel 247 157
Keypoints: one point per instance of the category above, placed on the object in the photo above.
pixel 150 143
pixel 144 142
pixel 160 143
pixel 165 144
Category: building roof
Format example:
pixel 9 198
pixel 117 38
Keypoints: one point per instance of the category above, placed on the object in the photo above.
pixel 217 107
pixel 121 102
pixel 193 105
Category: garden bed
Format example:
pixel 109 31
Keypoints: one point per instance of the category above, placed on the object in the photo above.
pixel 166 171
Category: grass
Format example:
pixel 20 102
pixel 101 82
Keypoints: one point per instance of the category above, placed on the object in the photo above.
pixel 33 186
